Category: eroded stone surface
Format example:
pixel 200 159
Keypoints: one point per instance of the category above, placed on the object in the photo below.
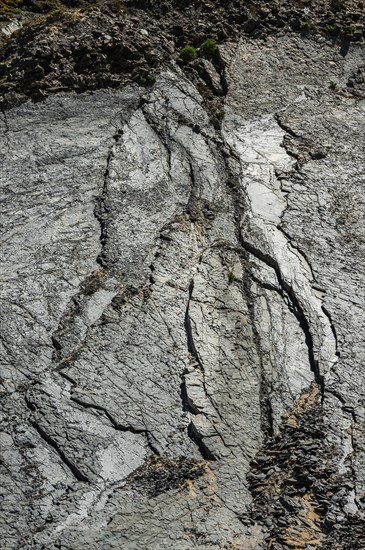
pixel 182 305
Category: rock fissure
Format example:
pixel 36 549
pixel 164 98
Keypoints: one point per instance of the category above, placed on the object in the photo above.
pixel 192 432
pixel 116 425
pixel 78 475
pixel 285 127
pixel 289 131
pixel 101 209
pixel 197 360
pixel 272 245
pixel 294 246
pixel 189 332
pixel 188 405
pixel 295 307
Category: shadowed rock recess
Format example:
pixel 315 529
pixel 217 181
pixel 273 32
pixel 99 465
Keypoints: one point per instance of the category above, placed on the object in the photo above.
pixel 183 268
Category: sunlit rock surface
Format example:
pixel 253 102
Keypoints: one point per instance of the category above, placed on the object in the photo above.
pixel 183 310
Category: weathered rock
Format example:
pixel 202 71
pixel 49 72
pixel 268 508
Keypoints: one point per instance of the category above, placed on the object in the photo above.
pixel 182 318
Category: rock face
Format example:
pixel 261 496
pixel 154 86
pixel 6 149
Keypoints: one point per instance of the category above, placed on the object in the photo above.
pixel 183 308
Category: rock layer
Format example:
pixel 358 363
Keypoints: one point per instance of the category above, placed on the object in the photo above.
pixel 183 309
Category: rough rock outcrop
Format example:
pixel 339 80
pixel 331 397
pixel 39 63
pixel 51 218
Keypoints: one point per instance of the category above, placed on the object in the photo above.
pixel 183 306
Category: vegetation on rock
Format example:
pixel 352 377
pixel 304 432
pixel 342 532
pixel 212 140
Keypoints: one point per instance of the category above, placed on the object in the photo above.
pixel 209 47
pixel 188 53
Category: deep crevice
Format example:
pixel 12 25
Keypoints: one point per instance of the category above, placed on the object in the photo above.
pixel 333 329
pixel 101 208
pixel 303 322
pixel 188 329
pixel 198 440
pixel 75 471
pixel 290 241
pixel 193 351
pixel 222 75
pixel 66 377
pixel 296 308
pixel 285 127
pixel 187 405
pixel 266 411
pixel 52 443
pixel 289 131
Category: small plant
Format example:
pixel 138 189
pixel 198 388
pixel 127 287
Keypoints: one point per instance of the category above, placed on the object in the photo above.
pixel 148 80
pixel 54 12
pixel 333 85
pixel 188 53
pixel 232 183
pixel 307 25
pixel 332 29
pixel 216 118
pixel 209 47
pixel 231 277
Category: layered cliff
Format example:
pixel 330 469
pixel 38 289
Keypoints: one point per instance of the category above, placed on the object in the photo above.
pixel 183 278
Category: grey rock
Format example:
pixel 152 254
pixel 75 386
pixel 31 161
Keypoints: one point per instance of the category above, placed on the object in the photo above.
pixel 182 358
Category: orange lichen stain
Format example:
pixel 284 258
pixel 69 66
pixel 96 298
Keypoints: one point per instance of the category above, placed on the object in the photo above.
pixel 312 514
pixel 307 535
pixel 191 489
pixel 210 489
pixel 292 421
pixel 209 472
pixel 210 481
pixel 303 541
pixel 306 400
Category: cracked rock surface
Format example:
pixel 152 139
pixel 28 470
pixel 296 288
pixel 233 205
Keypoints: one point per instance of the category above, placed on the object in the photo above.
pixel 183 310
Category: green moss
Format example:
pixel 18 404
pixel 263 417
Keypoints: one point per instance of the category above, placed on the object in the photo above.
pixel 8 8
pixel 188 53
pixel 209 47
pixel 307 25
pixel 54 12
pixel 147 80
pixel 333 85
pixel 332 29
pixel 231 277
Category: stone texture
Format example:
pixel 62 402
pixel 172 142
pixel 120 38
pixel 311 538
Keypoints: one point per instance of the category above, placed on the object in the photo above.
pixel 183 310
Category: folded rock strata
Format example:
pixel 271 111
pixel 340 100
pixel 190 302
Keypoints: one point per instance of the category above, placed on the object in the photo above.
pixel 183 310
